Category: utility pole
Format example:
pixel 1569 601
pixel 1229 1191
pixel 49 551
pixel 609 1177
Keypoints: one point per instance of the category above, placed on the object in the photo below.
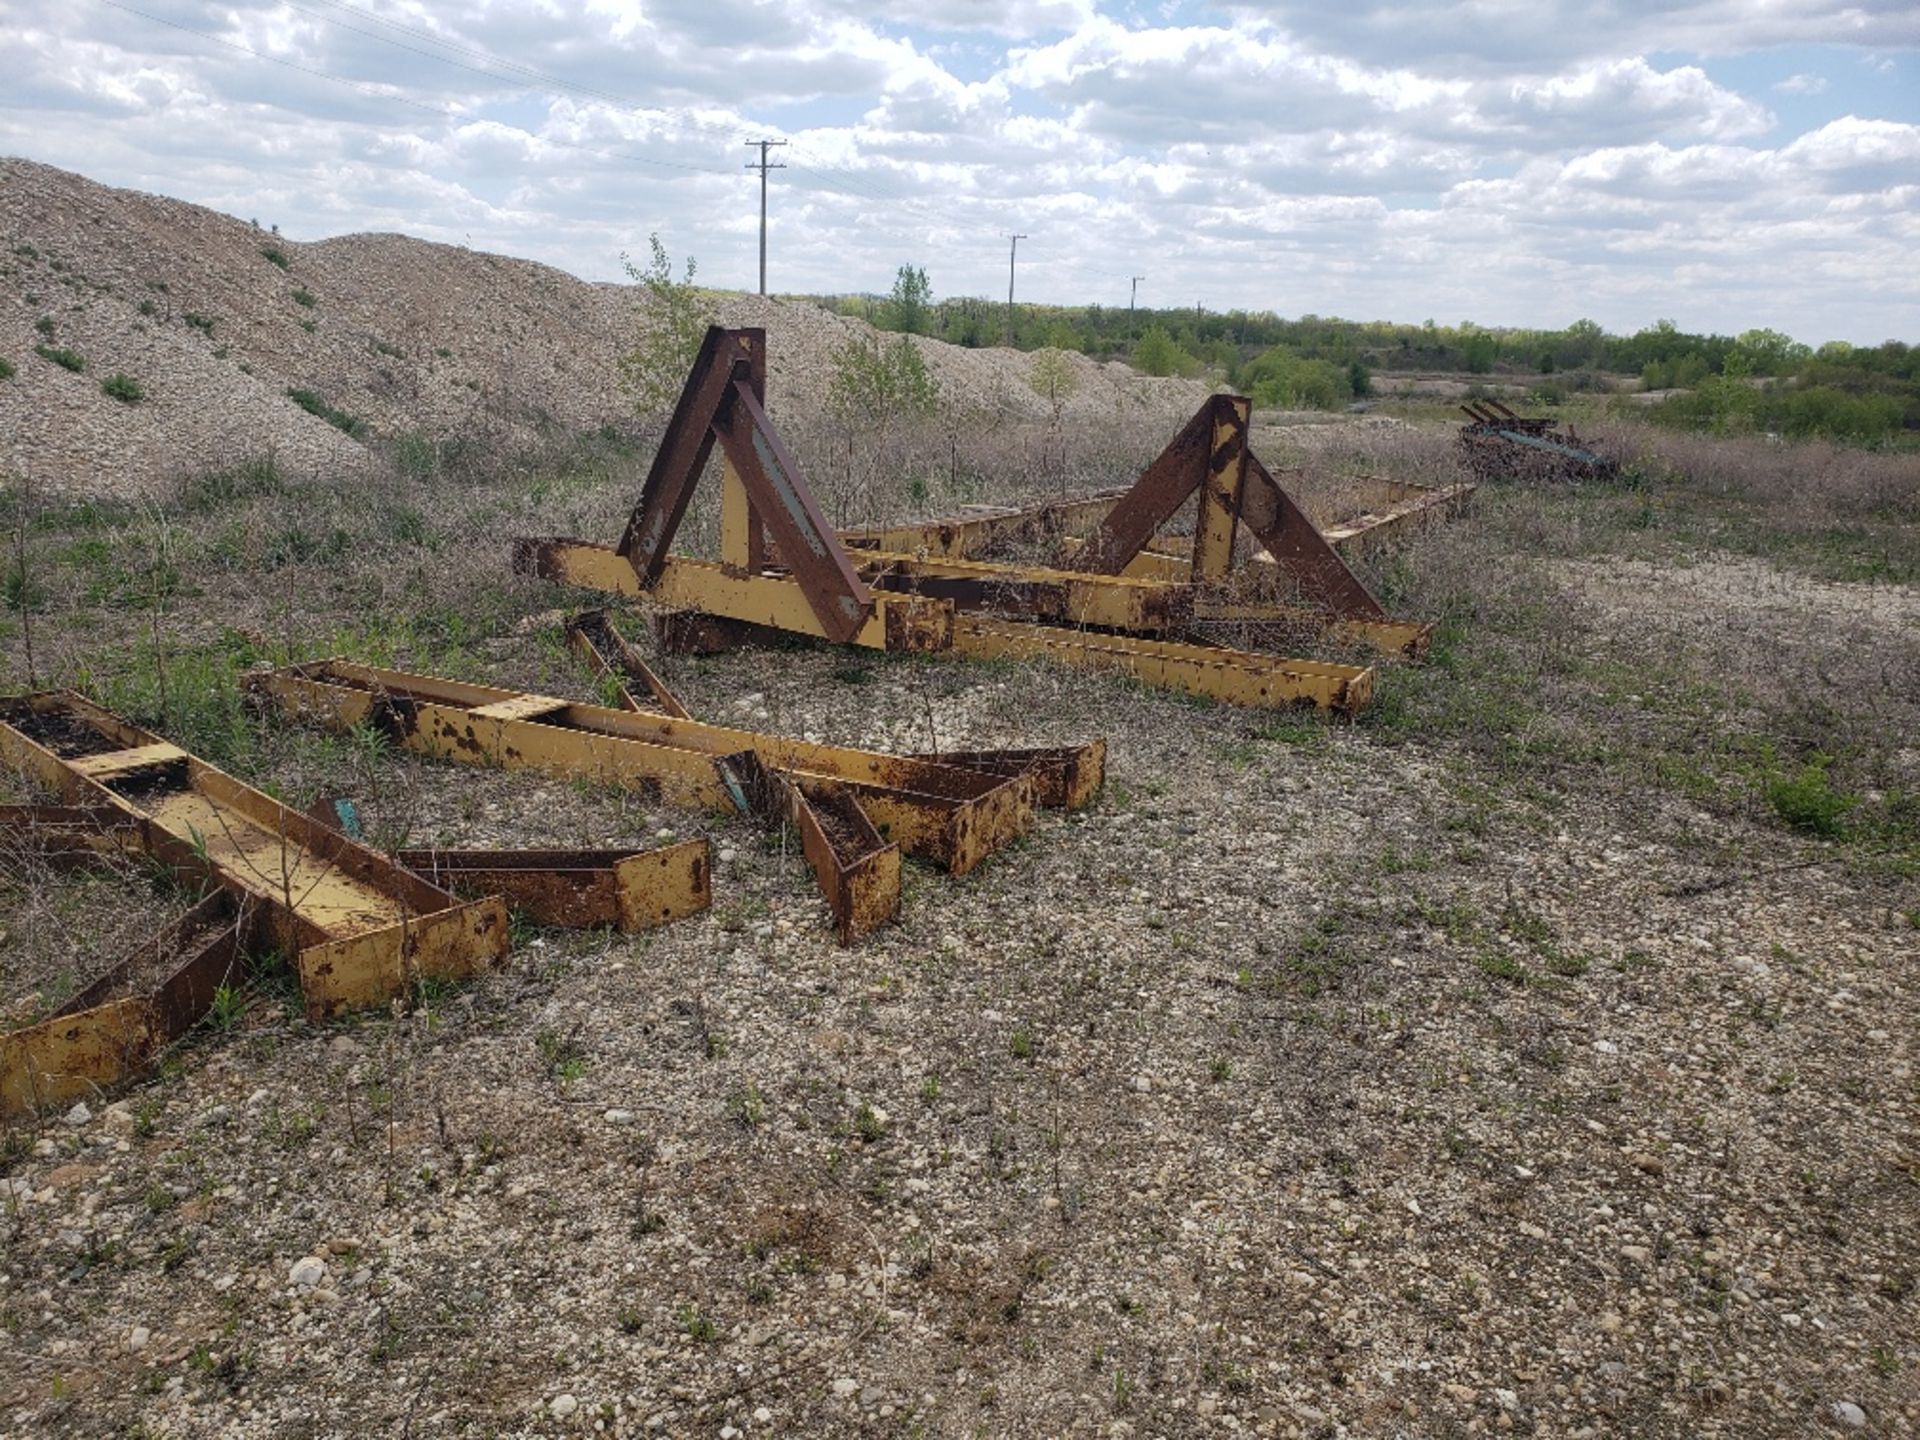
pixel 1012 251
pixel 762 166
pixel 1133 293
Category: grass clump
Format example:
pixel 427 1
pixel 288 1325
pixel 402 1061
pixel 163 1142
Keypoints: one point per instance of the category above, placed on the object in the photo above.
pixel 64 358
pixel 196 321
pixel 123 387
pixel 303 297
pixel 339 419
pixel 1808 802
pixel 6 368
pixel 274 255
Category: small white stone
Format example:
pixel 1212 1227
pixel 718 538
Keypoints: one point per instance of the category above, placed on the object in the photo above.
pixel 762 1415
pixel 1142 1084
pixel 620 1117
pixel 308 1271
pixel 1606 1047
pixel 727 853
pixel 561 1406
pixel 79 1114
pixel 137 1341
pixel 1849 1414
pixel 843 1387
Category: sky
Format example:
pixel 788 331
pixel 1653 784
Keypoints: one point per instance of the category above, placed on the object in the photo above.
pixel 1724 165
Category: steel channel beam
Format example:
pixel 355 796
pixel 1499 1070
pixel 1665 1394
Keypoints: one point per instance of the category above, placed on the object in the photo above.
pixel 1238 677
pixel 1065 596
pixel 856 868
pixel 1372 525
pixel 684 449
pixel 607 652
pixel 968 536
pixel 778 494
pixel 361 929
pixel 898 622
pixel 110 1032
pixel 1155 498
pixel 1066 777
pixel 953 816
pixel 1217 518
pixel 627 890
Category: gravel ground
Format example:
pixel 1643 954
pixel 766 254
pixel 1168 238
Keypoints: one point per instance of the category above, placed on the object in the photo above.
pixel 1296 1089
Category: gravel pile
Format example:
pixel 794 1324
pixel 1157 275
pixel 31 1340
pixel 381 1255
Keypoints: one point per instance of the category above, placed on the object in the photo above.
pixel 218 320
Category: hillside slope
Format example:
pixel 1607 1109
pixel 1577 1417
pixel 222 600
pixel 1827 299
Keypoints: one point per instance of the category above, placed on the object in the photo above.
pixel 217 320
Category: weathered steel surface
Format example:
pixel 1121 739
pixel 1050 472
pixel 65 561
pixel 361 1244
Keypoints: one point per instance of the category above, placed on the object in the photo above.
pixel 580 889
pixel 1238 677
pixel 683 453
pixel 857 869
pixel 314 887
pixel 1315 568
pixel 778 495
pixel 980 529
pixel 1217 519
pixel 1498 444
pixel 112 1029
pixel 65 837
pixel 1065 777
pixel 607 652
pixel 896 622
pixel 1156 497
pixel 1416 503
pixel 1029 592
pixel 952 816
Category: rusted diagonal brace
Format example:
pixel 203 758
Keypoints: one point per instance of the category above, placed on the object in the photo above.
pixel 1302 551
pixel 607 652
pixel 683 453
pixel 1155 498
pixel 780 499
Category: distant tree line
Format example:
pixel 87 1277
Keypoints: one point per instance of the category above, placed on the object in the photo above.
pixel 1760 379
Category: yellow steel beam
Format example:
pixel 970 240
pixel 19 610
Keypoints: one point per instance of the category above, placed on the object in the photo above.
pixel 1238 677
pixel 898 622
pixel 322 894
pixel 944 813
pixel 1218 513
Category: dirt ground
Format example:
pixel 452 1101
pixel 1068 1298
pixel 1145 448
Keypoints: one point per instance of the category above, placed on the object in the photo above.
pixel 1416 1077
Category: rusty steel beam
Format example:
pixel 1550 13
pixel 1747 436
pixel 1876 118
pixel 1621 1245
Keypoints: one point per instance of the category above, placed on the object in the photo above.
pixel 895 622
pixel 1425 502
pixel 627 890
pixel 1238 677
pixel 360 928
pixel 113 1029
pixel 971 534
pixel 683 453
pixel 857 868
pixel 952 816
pixel 608 653
pixel 1065 777
pixel 1155 498
pixel 1061 596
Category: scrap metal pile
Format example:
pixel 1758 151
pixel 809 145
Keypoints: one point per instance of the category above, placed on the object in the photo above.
pixel 1125 599
pixel 361 927
pixel 1500 445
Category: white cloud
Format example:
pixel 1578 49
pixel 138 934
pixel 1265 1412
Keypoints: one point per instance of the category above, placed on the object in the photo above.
pixel 1802 84
pixel 1332 159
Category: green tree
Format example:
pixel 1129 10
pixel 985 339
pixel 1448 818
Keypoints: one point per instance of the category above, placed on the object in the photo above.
pixel 874 382
pixel 910 304
pixel 1158 354
pixel 671 328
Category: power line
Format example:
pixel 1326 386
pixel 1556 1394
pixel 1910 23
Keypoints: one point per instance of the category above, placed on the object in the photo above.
pixel 762 166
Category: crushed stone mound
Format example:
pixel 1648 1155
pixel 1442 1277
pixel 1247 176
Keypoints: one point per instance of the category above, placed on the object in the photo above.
pixel 218 321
